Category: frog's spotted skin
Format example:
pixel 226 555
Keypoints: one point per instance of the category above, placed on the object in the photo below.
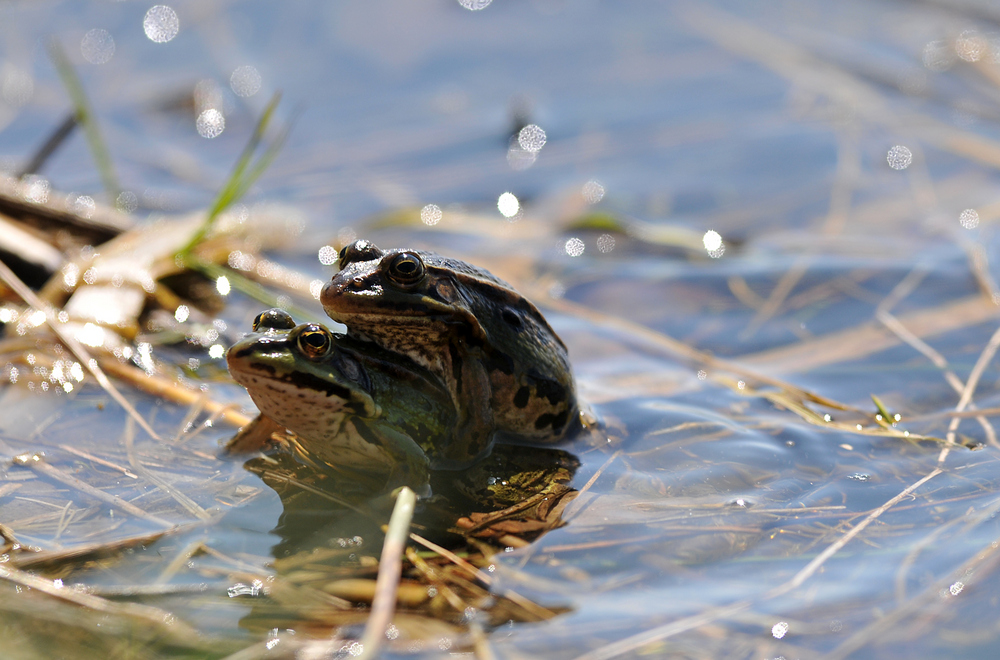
pixel 353 407
pixel 472 329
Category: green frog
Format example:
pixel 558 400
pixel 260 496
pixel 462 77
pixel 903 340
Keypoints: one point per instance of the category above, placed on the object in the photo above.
pixel 496 353
pixel 353 406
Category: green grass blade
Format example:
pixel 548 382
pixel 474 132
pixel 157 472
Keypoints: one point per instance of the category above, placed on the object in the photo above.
pixel 85 116
pixel 240 179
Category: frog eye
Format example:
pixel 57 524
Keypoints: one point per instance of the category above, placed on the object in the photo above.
pixel 360 250
pixel 406 268
pixel 314 341
pixel 273 319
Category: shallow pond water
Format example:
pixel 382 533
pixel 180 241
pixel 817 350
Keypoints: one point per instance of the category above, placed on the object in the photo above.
pixel 728 518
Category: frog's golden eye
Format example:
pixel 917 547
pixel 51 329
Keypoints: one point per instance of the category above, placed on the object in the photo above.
pixel 273 319
pixel 406 269
pixel 314 341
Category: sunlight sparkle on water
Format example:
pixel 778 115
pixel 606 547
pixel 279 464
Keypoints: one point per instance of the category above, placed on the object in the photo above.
pixel 779 629
pixel 956 588
pixel 91 335
pixel 216 351
pixel 97 46
pixel 245 81
pixel 713 244
pixel 969 218
pixel 182 313
pixel 971 46
pixel 84 205
pixel 593 191
pixel 574 247
pixel 431 214
pixel 939 55
pixel 327 255
pixel 210 123
pixel 161 24
pixel 899 157
pixel 508 205
pixel 127 202
pixel 222 285
pixel 518 158
pixel 316 288
pixel 605 243
pixel 475 5
pixel 531 138
pixel 36 189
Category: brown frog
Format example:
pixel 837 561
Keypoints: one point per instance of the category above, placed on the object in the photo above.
pixel 500 360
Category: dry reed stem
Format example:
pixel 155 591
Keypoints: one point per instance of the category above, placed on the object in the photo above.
pixel 90 552
pixel 471 570
pixel 713 614
pixel 869 338
pixel 986 560
pixel 99 461
pixel 172 390
pixel 970 387
pixel 74 346
pixel 192 507
pixel 390 567
pixel 38 464
pixel 160 619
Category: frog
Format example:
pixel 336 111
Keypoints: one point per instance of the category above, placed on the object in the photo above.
pixel 353 407
pixel 491 346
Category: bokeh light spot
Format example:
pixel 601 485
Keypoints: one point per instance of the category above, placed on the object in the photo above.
pixel 574 247
pixel 327 255
pixel 83 205
pixel 899 157
pixel 245 81
pixel 508 205
pixel 210 123
pixel 593 191
pixel 939 55
pixel 971 46
pixel 518 158
pixel 97 46
pixel 431 214
pixel 605 243
pixel 531 138
pixel 712 240
pixel 969 218
pixel 475 5
pixel 161 24
pixel 127 202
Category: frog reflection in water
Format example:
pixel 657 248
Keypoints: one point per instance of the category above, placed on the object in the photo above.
pixel 354 408
pixel 501 362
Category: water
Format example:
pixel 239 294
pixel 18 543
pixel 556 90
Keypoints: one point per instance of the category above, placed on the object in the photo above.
pixel 779 127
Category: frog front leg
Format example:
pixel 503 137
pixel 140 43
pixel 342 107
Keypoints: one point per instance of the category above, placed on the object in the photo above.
pixel 409 465
pixel 473 435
